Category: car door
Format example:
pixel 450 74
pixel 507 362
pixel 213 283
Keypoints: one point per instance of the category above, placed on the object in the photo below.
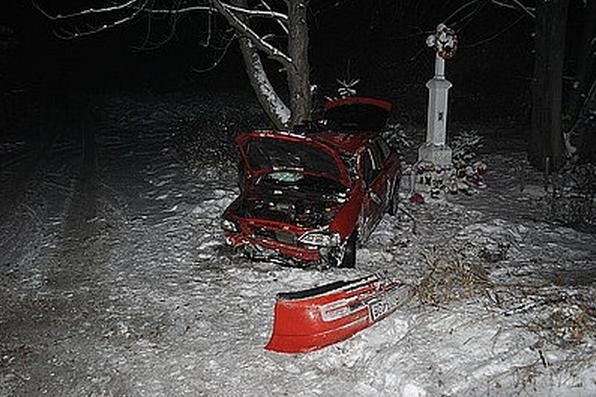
pixel 375 194
pixel 388 163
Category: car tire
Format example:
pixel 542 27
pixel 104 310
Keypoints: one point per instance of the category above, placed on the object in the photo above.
pixel 349 257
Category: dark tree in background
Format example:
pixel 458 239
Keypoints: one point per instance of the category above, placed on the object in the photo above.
pixel 7 40
pixel 564 72
pixel 278 30
pixel 560 57
pixel 582 96
pixel 546 143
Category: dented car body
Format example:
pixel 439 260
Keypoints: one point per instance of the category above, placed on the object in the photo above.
pixel 309 199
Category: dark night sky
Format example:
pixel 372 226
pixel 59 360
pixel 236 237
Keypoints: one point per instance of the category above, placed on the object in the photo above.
pixel 383 45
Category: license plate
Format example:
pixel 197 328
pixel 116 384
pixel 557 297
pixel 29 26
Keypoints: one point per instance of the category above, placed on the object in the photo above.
pixel 388 302
pixel 377 309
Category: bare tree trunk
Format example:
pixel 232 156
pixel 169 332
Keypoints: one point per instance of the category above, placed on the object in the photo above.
pixel 299 74
pixel 585 78
pixel 546 143
pixel 272 104
pixel 298 71
pixel 270 101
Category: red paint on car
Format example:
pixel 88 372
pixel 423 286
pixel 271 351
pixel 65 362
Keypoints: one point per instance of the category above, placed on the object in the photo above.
pixel 306 199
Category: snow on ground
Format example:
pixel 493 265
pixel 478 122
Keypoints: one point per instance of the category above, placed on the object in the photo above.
pixel 115 281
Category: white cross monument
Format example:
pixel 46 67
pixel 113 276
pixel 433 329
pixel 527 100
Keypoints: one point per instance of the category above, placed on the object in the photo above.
pixel 435 150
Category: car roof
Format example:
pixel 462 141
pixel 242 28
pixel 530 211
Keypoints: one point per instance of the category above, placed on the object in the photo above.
pixel 348 142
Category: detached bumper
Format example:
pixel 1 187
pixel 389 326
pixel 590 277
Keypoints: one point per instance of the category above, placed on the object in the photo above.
pixel 275 251
pixel 312 319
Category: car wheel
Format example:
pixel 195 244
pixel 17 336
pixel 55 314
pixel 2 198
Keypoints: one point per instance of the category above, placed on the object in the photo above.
pixel 349 257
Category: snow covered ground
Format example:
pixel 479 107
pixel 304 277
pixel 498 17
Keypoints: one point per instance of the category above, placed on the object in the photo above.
pixel 115 280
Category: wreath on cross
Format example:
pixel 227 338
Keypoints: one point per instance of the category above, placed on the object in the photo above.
pixel 444 40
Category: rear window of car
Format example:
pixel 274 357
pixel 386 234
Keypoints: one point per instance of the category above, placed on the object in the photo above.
pixel 369 168
pixel 280 154
pixel 381 151
pixel 356 117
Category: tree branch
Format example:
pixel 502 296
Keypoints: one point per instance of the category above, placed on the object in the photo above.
pixel 282 25
pixel 92 30
pixel 251 13
pixel 260 13
pixel 226 10
pixel 89 11
pixel 150 44
pixel 218 60
pixel 504 5
pixel 250 34
pixel 454 13
pixel 524 8
pixel 494 36
pixel 268 13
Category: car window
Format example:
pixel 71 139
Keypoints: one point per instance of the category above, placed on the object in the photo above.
pixel 378 157
pixel 368 167
pixel 383 149
pixel 357 117
pixel 351 163
pixel 381 152
pixel 279 154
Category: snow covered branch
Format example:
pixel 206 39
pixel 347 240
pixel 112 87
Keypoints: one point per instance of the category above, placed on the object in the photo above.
pixel 205 8
pixel 289 22
pixel 132 8
pixel 133 4
pixel 86 12
pixel 246 31
pixel 268 13
pixel 283 26
pixel 90 29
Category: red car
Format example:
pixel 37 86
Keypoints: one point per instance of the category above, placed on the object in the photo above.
pixel 309 199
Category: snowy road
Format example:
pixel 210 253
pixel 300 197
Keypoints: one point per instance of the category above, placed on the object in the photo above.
pixel 115 281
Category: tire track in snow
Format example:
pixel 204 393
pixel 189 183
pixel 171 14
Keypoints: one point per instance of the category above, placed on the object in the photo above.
pixel 43 131
pixel 64 311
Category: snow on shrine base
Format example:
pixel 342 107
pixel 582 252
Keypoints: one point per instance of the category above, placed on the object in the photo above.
pixel 440 155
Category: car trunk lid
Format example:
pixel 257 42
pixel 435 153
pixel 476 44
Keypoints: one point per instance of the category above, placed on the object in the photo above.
pixel 357 114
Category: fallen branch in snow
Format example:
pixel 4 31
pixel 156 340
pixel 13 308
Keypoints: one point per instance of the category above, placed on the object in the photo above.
pixel 573 196
pixel 451 279
pixel 526 307
pixel 562 318
pixel 409 215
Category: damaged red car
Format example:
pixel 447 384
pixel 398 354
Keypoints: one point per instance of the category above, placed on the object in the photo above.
pixel 312 198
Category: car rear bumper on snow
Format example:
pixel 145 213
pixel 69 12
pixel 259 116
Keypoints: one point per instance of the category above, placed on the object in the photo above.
pixel 312 319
